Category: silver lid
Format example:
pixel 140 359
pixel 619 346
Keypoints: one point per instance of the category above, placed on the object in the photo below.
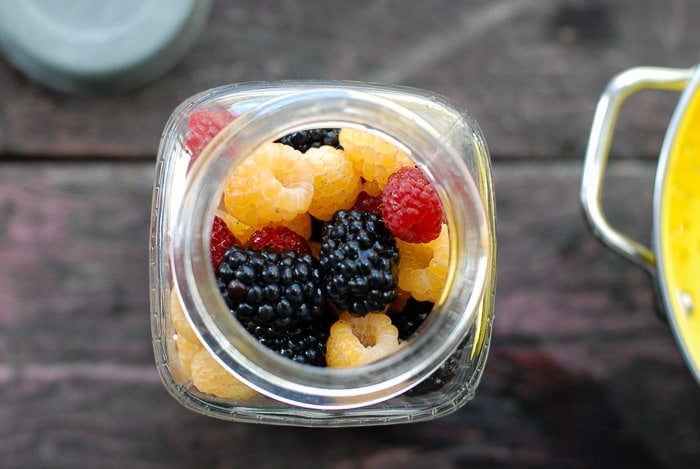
pixel 98 46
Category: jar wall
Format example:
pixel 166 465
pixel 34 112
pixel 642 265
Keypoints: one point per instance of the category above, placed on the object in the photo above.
pixel 175 309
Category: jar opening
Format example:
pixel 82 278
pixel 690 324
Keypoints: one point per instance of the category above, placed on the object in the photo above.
pixel 469 246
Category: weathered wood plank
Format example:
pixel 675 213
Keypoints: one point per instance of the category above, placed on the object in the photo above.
pixel 582 373
pixel 530 71
pixel 73 244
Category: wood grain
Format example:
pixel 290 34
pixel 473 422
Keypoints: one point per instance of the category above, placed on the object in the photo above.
pixel 582 372
pixel 530 71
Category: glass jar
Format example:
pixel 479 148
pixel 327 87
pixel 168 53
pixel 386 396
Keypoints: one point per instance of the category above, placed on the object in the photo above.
pixel 188 311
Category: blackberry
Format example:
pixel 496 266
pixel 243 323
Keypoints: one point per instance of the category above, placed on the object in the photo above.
pixel 279 290
pixel 441 376
pixel 312 138
pixel 358 260
pixel 305 343
pixel 411 317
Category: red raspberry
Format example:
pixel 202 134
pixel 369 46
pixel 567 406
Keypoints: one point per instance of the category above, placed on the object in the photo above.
pixel 368 203
pixel 411 206
pixel 221 239
pixel 278 239
pixel 203 127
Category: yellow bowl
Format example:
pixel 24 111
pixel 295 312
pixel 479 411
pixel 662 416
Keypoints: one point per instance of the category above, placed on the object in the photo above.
pixel 678 225
pixel 674 260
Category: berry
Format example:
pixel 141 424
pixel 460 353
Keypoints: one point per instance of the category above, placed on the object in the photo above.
pixel 408 320
pixel 186 351
pixel 279 290
pixel 305 343
pixel 373 157
pixel 301 225
pixel 179 319
pixel 411 206
pixel 221 239
pixel 357 341
pixel 313 138
pixel 211 378
pixel 185 338
pixel 203 126
pixel 441 376
pixel 372 188
pixel 278 239
pixel 368 203
pixel 240 230
pixel 273 185
pixel 423 266
pixel 336 183
pixel 358 258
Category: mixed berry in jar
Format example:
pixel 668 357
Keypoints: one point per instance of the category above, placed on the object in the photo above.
pixel 322 253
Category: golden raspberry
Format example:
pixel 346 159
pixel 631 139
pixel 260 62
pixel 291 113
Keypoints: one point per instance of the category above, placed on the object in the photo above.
pixel 177 317
pixel 211 378
pixel 399 303
pixel 356 341
pixel 273 184
pixel 423 266
pixel 315 248
pixel 301 225
pixel 373 157
pixel 372 188
pixel 336 183
pixel 198 364
pixel 239 229
pixel 186 350
pixel 185 339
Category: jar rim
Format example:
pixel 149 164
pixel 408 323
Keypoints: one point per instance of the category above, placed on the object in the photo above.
pixel 331 105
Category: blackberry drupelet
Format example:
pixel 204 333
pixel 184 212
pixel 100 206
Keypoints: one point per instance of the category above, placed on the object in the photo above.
pixel 411 317
pixel 279 290
pixel 358 261
pixel 312 138
pixel 305 343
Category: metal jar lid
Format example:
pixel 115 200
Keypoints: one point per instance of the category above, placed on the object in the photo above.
pixel 98 46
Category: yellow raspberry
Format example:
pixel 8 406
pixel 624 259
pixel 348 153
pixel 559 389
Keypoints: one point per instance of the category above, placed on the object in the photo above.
pixel 239 229
pixel 399 304
pixel 177 317
pixel 373 157
pixel 372 188
pixel 206 374
pixel 186 350
pixel 186 341
pixel 211 378
pixel 356 341
pixel 273 184
pixel 423 266
pixel 301 225
pixel 336 183
pixel 315 248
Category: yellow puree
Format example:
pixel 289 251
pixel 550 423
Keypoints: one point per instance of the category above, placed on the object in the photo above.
pixel 680 228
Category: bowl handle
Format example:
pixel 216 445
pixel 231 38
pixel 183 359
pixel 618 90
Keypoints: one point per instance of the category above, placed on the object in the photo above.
pixel 620 87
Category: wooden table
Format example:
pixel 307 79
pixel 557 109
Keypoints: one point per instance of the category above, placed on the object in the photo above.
pixel 582 373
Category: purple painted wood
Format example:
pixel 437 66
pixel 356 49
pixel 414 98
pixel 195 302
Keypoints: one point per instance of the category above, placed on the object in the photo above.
pixel 582 372
pixel 530 71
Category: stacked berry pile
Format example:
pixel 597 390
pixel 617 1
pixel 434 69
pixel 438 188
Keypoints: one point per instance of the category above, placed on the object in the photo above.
pixel 330 247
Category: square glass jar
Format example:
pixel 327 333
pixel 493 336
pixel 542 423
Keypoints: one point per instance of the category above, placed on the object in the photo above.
pixel 432 374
